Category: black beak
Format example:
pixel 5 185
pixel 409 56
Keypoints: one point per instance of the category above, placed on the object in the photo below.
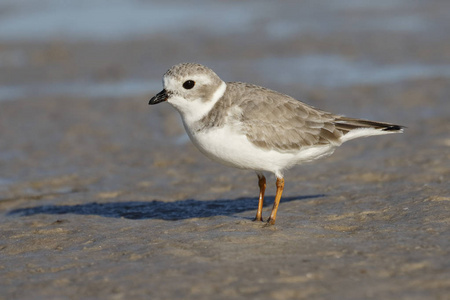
pixel 160 97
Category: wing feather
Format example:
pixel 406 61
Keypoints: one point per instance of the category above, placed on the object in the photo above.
pixel 272 120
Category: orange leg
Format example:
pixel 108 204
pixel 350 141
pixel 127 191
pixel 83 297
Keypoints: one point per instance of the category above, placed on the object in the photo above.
pixel 273 215
pixel 262 189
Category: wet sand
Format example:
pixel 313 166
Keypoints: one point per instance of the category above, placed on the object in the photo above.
pixel 103 196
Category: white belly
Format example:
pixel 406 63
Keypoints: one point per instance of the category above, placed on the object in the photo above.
pixel 228 147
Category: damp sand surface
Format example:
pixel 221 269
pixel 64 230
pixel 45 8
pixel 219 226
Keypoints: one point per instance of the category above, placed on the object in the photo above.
pixel 104 197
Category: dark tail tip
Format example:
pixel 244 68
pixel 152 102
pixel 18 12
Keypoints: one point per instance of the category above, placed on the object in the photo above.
pixel 393 128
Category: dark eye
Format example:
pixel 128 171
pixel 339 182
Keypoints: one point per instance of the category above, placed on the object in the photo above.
pixel 188 84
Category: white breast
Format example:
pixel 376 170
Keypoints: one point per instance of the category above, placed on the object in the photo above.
pixel 227 146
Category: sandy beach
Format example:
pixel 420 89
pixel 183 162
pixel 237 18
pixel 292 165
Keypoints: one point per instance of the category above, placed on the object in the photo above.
pixel 104 197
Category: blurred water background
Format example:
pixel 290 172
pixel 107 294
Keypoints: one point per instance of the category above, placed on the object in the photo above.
pixel 261 37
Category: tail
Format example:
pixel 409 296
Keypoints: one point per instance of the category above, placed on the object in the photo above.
pixel 356 128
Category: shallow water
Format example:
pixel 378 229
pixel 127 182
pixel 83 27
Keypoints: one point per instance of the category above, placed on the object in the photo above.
pixel 121 20
pixel 125 88
pixel 311 71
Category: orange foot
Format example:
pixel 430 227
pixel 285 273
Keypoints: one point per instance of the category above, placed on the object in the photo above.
pixel 270 221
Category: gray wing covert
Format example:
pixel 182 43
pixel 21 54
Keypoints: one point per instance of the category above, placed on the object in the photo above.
pixel 279 122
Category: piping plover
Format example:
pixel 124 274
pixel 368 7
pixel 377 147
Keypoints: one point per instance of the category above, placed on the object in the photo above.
pixel 251 127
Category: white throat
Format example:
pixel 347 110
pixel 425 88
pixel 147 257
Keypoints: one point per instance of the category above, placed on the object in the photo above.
pixel 193 111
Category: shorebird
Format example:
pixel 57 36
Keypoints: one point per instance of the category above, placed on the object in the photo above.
pixel 251 127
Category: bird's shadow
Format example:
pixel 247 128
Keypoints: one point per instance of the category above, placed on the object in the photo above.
pixel 177 210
